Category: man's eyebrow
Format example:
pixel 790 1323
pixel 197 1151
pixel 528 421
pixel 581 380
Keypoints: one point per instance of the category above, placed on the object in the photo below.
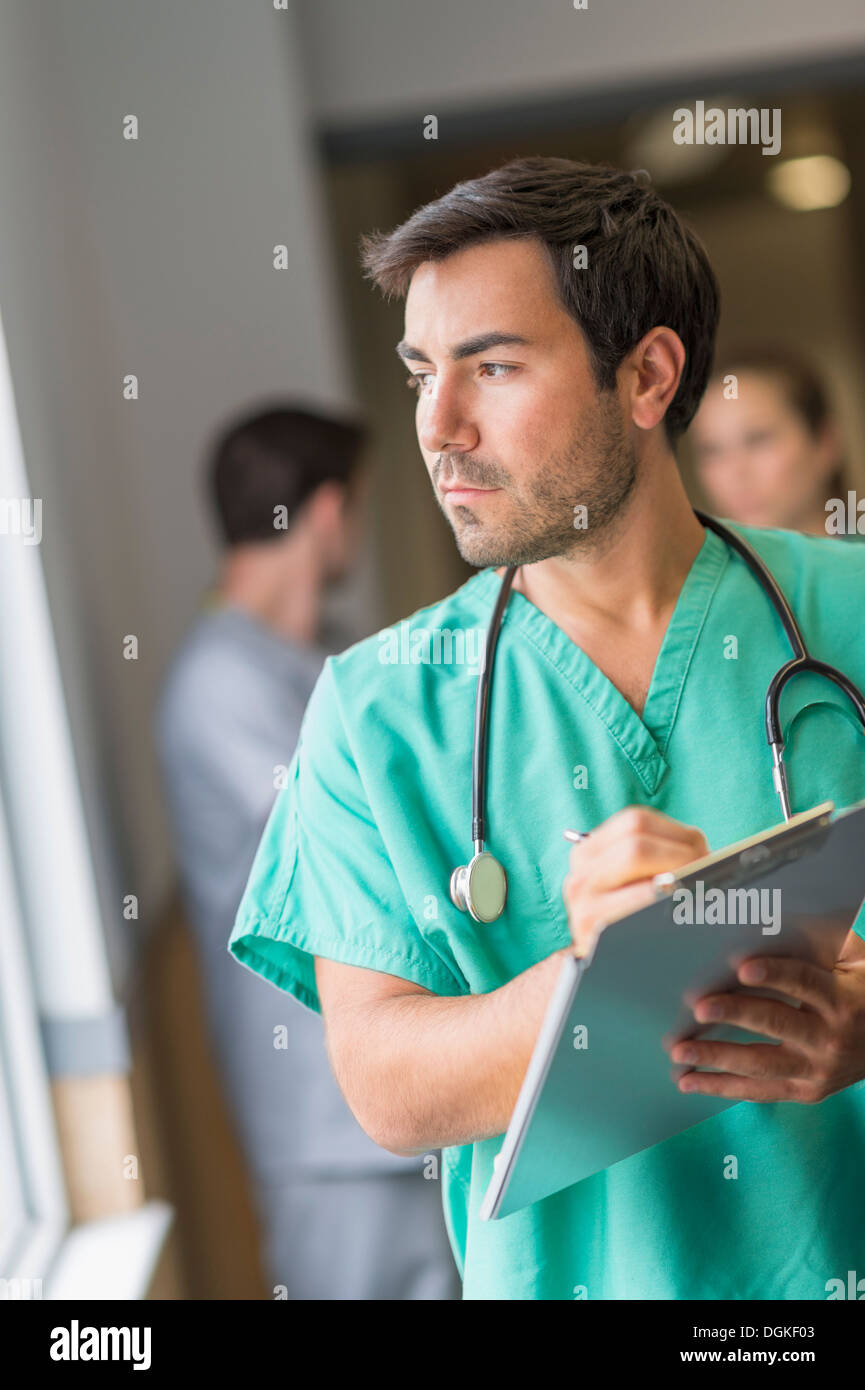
pixel 481 342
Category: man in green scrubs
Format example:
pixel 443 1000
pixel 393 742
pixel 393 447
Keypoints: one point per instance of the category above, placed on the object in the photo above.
pixel 559 330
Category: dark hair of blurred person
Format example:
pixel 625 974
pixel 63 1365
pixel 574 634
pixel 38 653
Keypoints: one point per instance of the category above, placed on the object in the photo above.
pixel 286 484
pixel 771 454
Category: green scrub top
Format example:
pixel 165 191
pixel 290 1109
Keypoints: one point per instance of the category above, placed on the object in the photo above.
pixel 355 860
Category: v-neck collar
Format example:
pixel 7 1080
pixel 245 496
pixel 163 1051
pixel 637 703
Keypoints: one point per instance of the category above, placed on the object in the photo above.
pixel 643 738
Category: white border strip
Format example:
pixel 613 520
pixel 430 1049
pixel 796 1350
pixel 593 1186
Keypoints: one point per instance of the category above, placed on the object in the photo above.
pixel 50 844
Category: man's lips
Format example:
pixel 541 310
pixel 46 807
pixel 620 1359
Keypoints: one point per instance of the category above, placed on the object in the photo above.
pixel 458 492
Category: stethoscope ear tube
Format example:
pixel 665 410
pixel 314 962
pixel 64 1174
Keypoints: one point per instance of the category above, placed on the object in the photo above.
pixel 795 667
pixel 764 577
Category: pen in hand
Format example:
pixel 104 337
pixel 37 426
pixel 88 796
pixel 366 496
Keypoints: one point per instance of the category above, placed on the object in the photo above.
pixel 662 883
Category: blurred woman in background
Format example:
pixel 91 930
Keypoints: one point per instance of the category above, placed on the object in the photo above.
pixel 767 448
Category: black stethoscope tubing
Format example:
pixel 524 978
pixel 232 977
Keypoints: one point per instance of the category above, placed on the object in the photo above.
pixel 801 661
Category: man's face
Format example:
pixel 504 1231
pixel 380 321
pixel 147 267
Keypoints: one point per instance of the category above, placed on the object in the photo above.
pixel 508 407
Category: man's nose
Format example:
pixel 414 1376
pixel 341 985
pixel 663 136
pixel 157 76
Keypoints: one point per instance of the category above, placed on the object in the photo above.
pixel 443 424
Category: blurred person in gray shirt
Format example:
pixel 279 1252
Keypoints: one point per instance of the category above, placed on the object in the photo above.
pixel 340 1217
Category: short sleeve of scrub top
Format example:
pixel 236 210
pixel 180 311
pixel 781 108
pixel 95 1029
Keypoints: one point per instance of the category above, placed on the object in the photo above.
pixel 322 882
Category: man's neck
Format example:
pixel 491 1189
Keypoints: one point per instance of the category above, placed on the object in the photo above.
pixel 284 597
pixel 632 577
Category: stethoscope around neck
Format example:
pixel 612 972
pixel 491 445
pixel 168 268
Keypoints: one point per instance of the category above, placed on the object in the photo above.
pixel 481 886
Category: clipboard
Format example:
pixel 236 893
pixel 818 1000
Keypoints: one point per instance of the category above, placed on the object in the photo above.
pixel 600 1084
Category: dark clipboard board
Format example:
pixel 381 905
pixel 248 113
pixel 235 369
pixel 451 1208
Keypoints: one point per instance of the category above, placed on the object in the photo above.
pixel 583 1108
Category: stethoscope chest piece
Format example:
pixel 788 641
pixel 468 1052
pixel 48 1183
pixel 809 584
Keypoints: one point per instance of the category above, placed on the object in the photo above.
pixel 480 887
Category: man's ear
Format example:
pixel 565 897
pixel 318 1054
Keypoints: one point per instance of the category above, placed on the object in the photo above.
pixel 325 506
pixel 656 365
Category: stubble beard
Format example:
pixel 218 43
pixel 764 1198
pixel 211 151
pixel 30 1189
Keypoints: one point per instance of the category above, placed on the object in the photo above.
pixel 597 471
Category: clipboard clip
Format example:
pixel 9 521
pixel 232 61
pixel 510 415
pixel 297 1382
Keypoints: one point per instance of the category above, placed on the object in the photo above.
pixel 751 856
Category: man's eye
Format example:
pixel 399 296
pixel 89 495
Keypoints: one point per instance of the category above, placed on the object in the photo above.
pixel 417 380
pixel 505 367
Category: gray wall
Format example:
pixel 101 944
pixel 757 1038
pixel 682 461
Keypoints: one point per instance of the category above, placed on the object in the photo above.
pixel 152 257
pixel 377 58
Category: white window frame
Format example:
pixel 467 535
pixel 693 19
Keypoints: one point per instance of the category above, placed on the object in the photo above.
pixel 53 959
pixel 35 1212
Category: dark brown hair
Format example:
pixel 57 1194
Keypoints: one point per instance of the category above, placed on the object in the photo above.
pixel 645 268
pixel 277 457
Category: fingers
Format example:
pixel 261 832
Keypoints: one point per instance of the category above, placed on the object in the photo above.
pixel 744 1087
pixel 771 1017
pixel 609 874
pixel 587 916
pixel 799 979
pixel 632 845
pixel 761 1061
pixel 638 820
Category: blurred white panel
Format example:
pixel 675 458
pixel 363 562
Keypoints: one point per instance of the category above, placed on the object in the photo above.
pixel 47 828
